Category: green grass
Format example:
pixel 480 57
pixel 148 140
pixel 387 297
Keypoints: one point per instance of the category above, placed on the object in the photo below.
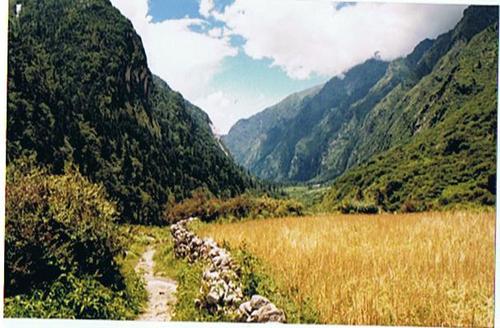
pixel 309 196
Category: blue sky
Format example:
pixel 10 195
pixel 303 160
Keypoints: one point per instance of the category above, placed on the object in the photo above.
pixel 177 9
pixel 234 58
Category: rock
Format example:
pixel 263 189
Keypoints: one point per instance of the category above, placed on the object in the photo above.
pixel 244 311
pixel 213 252
pixel 212 297
pixel 229 298
pixel 245 308
pixel 267 313
pixel 210 275
pixel 257 301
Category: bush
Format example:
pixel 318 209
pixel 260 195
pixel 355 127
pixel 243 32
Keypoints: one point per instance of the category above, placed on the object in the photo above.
pixel 69 297
pixel 57 224
pixel 413 206
pixel 352 207
pixel 208 208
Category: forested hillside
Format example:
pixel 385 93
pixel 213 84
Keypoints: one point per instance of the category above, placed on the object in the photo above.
pixel 448 154
pixel 379 106
pixel 80 92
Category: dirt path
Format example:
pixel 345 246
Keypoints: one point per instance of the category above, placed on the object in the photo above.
pixel 160 290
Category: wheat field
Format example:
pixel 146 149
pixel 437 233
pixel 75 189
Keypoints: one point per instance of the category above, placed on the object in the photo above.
pixel 430 269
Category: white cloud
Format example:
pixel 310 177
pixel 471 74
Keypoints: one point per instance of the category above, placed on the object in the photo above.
pixel 304 37
pixel 185 59
pixel 216 32
pixel 301 37
pixel 206 6
pixel 226 108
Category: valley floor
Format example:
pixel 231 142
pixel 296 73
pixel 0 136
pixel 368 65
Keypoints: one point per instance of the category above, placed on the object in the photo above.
pixel 430 269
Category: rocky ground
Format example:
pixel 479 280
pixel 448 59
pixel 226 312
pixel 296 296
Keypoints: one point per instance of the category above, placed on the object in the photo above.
pixel 161 291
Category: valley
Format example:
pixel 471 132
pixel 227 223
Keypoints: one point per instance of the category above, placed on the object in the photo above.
pixel 366 200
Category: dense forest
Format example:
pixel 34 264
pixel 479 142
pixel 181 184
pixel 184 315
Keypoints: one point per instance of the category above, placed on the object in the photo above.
pixel 418 130
pixel 80 92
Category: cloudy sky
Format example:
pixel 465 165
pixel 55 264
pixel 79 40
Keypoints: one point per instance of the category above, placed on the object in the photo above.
pixel 233 58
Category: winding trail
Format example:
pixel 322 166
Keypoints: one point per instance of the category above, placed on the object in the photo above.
pixel 161 291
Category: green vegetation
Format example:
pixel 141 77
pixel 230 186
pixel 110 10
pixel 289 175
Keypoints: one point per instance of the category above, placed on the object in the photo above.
pixel 357 207
pixel 310 196
pixel 63 249
pixel 94 140
pixel 80 92
pixel 69 297
pixel 291 148
pixel 451 160
pixel 57 224
pixel 247 137
pixel 96 126
pixel 188 277
pixel 203 205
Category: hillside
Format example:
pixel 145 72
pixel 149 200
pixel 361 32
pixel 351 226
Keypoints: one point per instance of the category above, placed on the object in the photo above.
pixel 450 156
pixel 80 92
pixel 353 117
pixel 378 106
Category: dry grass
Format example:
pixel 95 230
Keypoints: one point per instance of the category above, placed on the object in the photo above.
pixel 428 269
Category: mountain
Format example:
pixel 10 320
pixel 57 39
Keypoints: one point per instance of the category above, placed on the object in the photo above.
pixel 448 127
pixel 245 138
pixel 377 107
pixel 80 92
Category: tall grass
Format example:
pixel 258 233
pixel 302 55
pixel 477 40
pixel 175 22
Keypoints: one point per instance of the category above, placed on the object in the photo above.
pixel 427 269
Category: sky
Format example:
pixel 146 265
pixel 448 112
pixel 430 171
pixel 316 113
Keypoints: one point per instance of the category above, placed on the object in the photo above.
pixel 234 58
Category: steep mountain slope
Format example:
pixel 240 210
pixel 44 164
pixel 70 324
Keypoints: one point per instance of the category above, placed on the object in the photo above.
pixel 342 127
pixel 289 149
pixel 393 119
pixel 80 91
pixel 245 138
pixel 451 115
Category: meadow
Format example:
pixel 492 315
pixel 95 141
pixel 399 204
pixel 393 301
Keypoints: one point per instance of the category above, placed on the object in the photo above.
pixel 430 269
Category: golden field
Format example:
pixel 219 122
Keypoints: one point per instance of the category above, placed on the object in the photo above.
pixel 430 269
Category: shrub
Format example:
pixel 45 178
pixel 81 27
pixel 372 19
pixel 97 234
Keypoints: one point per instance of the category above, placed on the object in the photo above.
pixel 412 206
pixel 57 224
pixel 353 207
pixel 70 297
pixel 209 208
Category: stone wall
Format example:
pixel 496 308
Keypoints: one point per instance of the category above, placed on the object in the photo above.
pixel 221 289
